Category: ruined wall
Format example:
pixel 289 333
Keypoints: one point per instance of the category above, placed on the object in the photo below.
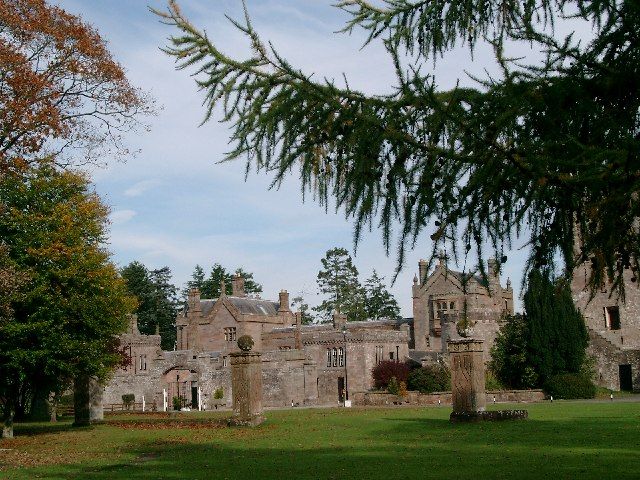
pixel 611 345
pixel 628 336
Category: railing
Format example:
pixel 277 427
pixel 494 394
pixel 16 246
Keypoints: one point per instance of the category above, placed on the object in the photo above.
pixel 128 407
pixel 65 410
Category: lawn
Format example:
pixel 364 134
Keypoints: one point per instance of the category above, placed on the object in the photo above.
pixel 560 440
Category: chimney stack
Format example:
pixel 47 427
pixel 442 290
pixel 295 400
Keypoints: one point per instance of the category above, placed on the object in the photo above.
pixel 193 300
pixel 339 321
pixel 133 324
pixel 237 286
pixel 422 271
pixel 494 277
pixel 284 301
pixel 494 268
pixel 298 334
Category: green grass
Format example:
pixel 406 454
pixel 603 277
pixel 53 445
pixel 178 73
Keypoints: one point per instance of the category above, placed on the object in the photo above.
pixel 560 440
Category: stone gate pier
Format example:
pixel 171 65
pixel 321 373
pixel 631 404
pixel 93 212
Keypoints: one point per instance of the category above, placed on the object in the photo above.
pixel 246 381
pixel 467 375
pixel 468 394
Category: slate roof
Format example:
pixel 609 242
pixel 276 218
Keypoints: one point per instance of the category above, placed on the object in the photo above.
pixel 246 306
pixel 254 306
pixel 365 323
pixel 459 276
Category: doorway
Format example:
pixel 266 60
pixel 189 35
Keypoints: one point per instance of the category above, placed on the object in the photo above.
pixel 194 396
pixel 626 381
pixel 341 389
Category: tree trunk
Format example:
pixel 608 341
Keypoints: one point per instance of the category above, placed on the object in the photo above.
pixel 53 407
pixel 7 423
pixel 81 407
pixel 40 407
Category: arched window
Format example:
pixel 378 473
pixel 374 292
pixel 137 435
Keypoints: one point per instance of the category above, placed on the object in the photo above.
pixel 335 357
pixel 328 357
pixel 341 357
pixel 452 305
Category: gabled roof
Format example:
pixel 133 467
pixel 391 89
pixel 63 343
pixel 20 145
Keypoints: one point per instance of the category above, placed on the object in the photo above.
pixel 254 306
pixel 455 278
pixel 242 305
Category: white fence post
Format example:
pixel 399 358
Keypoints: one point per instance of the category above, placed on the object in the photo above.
pixel 143 404
pixel 164 400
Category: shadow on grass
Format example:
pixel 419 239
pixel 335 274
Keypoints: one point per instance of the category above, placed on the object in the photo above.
pixel 394 448
pixel 42 428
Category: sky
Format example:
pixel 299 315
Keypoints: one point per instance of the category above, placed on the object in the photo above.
pixel 173 204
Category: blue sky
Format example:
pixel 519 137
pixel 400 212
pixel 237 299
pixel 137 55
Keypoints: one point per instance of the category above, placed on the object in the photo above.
pixel 174 205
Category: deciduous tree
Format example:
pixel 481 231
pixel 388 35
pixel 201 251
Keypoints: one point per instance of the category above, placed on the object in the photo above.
pixel 73 302
pixel 60 89
pixel 545 149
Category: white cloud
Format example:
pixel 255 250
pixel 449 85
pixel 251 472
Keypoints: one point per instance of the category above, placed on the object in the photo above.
pixel 121 216
pixel 139 188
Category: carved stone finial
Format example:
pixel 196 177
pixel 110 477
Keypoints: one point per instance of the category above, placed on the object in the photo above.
pixel 245 343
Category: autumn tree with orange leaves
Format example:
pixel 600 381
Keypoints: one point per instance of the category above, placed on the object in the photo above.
pixel 61 92
pixel 64 102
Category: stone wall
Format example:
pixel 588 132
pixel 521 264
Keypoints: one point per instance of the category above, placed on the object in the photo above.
pixel 611 347
pixel 444 398
pixel 608 358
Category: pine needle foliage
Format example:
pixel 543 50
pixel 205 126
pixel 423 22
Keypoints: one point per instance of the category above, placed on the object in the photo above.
pixel 546 151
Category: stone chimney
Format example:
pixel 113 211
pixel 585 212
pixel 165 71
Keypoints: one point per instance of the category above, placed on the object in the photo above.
pixel 223 288
pixel 193 300
pixel 442 259
pixel 284 301
pixel 339 320
pixel 494 276
pixel 237 286
pixel 133 324
pixel 422 271
pixel 298 333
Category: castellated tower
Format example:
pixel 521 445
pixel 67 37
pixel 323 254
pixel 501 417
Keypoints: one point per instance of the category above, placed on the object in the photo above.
pixel 443 297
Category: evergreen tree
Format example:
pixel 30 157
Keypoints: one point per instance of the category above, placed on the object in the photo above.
pixel 157 300
pixel 165 305
pixel 251 287
pixel 546 149
pixel 211 286
pixel 510 354
pixel 197 281
pixel 299 304
pixel 557 335
pixel 339 280
pixel 379 301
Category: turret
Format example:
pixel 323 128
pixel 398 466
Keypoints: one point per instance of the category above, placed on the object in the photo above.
pixel 494 277
pixel 422 271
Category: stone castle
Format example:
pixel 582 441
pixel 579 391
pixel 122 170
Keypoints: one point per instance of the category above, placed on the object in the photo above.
pixel 323 364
